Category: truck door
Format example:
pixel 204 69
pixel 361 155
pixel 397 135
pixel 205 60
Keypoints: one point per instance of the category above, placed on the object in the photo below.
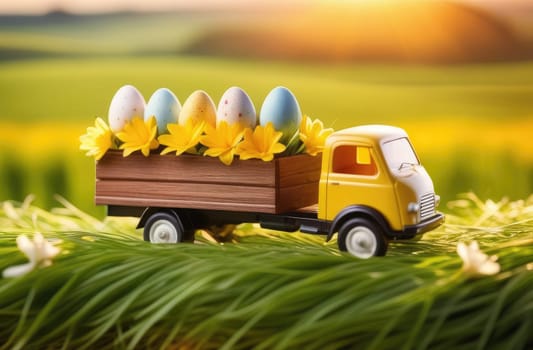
pixel 356 177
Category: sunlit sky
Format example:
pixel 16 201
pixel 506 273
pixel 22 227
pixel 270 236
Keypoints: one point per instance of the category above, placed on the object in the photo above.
pixel 96 6
pixel 91 6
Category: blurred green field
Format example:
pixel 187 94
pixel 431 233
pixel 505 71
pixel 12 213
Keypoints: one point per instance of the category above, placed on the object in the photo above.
pixel 78 89
pixel 471 124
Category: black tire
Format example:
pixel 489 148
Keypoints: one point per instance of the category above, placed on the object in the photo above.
pixel 164 227
pixel 362 238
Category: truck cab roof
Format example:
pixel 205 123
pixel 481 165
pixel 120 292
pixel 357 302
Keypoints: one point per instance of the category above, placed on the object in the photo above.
pixel 374 133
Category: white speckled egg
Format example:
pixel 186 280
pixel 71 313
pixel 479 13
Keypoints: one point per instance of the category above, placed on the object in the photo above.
pixel 199 106
pixel 126 104
pixel 165 106
pixel 235 106
pixel 281 109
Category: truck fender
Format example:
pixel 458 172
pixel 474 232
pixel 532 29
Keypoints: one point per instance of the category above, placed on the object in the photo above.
pixel 357 211
pixel 151 210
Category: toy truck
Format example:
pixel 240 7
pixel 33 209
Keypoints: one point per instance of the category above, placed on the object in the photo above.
pixel 367 185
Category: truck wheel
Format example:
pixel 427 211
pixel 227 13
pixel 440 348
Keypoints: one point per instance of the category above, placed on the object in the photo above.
pixel 163 227
pixel 362 238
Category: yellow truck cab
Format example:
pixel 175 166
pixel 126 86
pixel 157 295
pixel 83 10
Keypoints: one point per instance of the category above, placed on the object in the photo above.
pixel 372 180
pixel 368 186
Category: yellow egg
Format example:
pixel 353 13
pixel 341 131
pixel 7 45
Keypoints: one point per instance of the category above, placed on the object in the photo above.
pixel 199 106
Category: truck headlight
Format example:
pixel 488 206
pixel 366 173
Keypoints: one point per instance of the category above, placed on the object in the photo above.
pixel 413 207
pixel 437 200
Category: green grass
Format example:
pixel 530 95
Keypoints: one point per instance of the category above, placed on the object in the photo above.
pixel 267 289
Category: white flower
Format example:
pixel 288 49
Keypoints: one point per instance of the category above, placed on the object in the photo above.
pixel 475 262
pixel 39 253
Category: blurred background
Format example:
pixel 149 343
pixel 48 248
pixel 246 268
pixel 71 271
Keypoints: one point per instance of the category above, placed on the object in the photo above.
pixel 457 75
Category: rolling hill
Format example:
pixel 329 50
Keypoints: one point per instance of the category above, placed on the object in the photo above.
pixel 387 31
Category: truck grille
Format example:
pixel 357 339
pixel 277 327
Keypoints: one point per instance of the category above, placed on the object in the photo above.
pixel 427 205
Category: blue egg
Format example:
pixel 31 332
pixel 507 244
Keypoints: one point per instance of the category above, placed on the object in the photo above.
pixel 281 109
pixel 165 106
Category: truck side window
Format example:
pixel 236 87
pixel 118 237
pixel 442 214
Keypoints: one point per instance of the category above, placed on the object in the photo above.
pixel 355 160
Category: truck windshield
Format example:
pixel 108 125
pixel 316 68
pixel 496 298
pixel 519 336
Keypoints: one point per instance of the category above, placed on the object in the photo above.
pixel 399 154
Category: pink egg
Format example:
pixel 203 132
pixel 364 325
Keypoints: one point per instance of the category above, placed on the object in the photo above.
pixel 235 106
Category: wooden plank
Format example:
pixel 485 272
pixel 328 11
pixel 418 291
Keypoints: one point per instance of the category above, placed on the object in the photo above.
pixel 299 169
pixel 177 203
pixel 186 195
pixel 185 168
pixel 295 197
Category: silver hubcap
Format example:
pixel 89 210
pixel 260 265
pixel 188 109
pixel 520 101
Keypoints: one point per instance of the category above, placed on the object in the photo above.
pixel 162 231
pixel 361 242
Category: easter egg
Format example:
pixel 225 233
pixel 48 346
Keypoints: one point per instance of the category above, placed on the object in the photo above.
pixel 235 106
pixel 282 110
pixel 165 107
pixel 126 104
pixel 198 107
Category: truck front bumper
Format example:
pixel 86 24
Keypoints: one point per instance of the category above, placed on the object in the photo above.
pixel 423 226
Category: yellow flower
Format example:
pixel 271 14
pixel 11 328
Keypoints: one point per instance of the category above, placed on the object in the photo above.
pixel 261 143
pixel 313 135
pixel 182 138
pixel 139 135
pixel 97 140
pixel 475 262
pixel 222 140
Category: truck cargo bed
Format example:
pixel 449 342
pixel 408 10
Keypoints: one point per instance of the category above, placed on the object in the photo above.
pixel 197 182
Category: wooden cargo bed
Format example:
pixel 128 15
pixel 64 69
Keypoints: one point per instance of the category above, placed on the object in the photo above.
pixel 198 182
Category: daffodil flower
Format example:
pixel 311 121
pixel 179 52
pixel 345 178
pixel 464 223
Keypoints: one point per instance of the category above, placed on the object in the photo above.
pixel 262 143
pixel 222 140
pixel 139 134
pixel 313 135
pixel 97 140
pixel 38 251
pixel 475 262
pixel 182 138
